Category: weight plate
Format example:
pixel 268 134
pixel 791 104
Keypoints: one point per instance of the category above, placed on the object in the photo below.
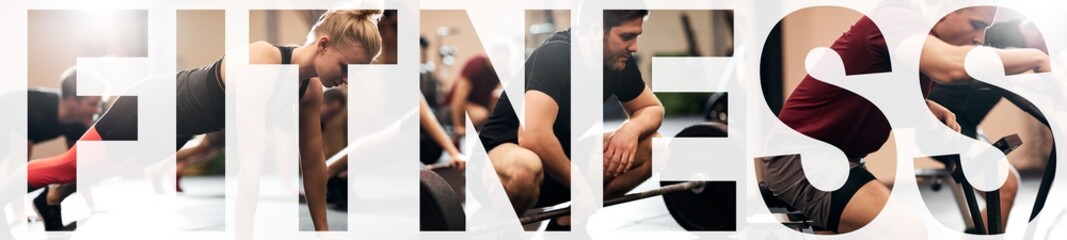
pixel 439 207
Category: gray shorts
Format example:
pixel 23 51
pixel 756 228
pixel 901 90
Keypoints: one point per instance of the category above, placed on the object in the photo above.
pixel 785 179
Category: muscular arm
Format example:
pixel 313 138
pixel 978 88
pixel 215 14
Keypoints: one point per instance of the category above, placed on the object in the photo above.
pixel 943 114
pixel 29 149
pixel 944 62
pixel 620 148
pixel 1022 60
pixel 646 113
pixel 537 135
pixel 312 160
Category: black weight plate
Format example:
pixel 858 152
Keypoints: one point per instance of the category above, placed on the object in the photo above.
pixel 714 209
pixel 705 129
pixel 439 207
pixel 717 103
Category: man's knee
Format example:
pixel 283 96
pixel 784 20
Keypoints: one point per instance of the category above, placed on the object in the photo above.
pixel 517 166
pixel 520 173
pixel 644 151
pixel 863 206
pixel 528 176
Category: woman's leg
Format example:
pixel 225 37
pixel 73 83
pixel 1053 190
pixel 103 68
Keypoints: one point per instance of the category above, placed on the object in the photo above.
pixel 57 169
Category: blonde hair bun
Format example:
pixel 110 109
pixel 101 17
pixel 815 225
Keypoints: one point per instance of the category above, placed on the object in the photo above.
pixel 372 14
pixel 350 28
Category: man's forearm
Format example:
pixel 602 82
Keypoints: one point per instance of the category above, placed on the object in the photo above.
pixel 646 120
pixel 1022 60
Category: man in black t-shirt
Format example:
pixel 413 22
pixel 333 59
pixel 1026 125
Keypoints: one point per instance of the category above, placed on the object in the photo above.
pixel 533 162
pixel 51 114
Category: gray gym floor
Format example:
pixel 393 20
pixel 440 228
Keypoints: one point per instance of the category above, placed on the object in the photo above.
pixel 201 207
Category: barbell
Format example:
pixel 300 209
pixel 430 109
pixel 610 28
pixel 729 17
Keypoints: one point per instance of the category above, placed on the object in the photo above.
pixel 695 205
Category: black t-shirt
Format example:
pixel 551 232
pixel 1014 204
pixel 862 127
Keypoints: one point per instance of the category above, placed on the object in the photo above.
pixel 42 112
pixel 548 70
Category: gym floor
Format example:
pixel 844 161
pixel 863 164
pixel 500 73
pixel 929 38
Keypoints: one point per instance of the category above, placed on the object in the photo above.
pixel 201 207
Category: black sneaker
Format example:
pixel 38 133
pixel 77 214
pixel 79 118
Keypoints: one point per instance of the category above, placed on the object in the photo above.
pixel 52 216
pixel 71 227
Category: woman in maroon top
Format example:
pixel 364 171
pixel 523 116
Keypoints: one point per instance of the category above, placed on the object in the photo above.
pixel 475 92
pixel 854 125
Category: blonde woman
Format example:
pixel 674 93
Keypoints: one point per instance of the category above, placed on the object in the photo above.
pixel 339 38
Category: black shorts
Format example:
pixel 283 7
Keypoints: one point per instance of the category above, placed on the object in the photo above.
pixel 552 193
pixel 786 180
